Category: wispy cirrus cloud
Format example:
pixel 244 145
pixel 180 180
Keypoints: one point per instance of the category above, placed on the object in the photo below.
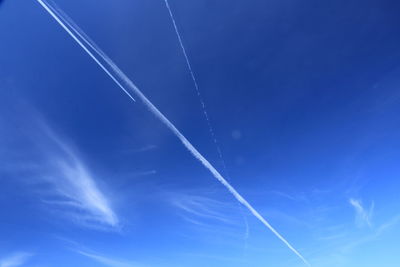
pixel 54 170
pixel 78 191
pixel 209 218
pixel 210 215
pixel 201 210
pixel 107 261
pixel 15 260
pixel 74 187
pixel 363 216
pixel 83 250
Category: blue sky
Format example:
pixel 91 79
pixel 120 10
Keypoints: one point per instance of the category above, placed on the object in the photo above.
pixel 303 99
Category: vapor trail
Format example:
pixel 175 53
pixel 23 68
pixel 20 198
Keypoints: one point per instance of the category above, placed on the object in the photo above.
pixel 196 85
pixel 203 105
pixel 115 71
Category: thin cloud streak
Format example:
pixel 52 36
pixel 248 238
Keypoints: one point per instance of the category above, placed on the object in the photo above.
pixel 135 90
pixel 15 260
pixel 93 255
pixel 363 216
pixel 107 261
pixel 143 149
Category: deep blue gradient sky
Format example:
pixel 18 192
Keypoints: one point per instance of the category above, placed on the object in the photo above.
pixel 304 100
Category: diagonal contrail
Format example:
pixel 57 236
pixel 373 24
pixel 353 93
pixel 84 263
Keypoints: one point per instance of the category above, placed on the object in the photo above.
pixel 203 105
pixel 196 85
pixel 115 73
pixel 70 27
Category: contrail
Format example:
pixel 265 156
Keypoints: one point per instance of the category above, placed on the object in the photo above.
pixel 203 105
pixel 129 85
pixel 115 73
pixel 196 85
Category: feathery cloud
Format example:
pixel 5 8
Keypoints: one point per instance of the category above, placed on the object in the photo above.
pixel 74 186
pixel 52 169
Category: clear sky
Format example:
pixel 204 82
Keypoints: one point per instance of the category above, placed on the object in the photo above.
pixel 303 98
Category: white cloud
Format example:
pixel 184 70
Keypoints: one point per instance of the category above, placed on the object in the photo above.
pixel 78 189
pixel 15 260
pixel 50 167
pixel 75 187
pixel 363 217
pixel 60 177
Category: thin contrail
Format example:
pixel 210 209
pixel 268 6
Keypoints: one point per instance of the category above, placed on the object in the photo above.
pixel 116 72
pixel 203 105
pixel 196 85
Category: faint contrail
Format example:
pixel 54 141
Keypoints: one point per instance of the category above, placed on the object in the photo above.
pixel 196 85
pixel 115 71
pixel 210 128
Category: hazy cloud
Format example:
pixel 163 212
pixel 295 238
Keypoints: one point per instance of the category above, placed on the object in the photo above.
pixel 16 259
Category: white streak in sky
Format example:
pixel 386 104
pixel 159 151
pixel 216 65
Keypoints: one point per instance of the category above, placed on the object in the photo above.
pixel 203 105
pixel 74 31
pixel 143 149
pixel 15 260
pixel 196 86
pixel 107 261
pixel 135 90
pixel 362 215
pixel 100 258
